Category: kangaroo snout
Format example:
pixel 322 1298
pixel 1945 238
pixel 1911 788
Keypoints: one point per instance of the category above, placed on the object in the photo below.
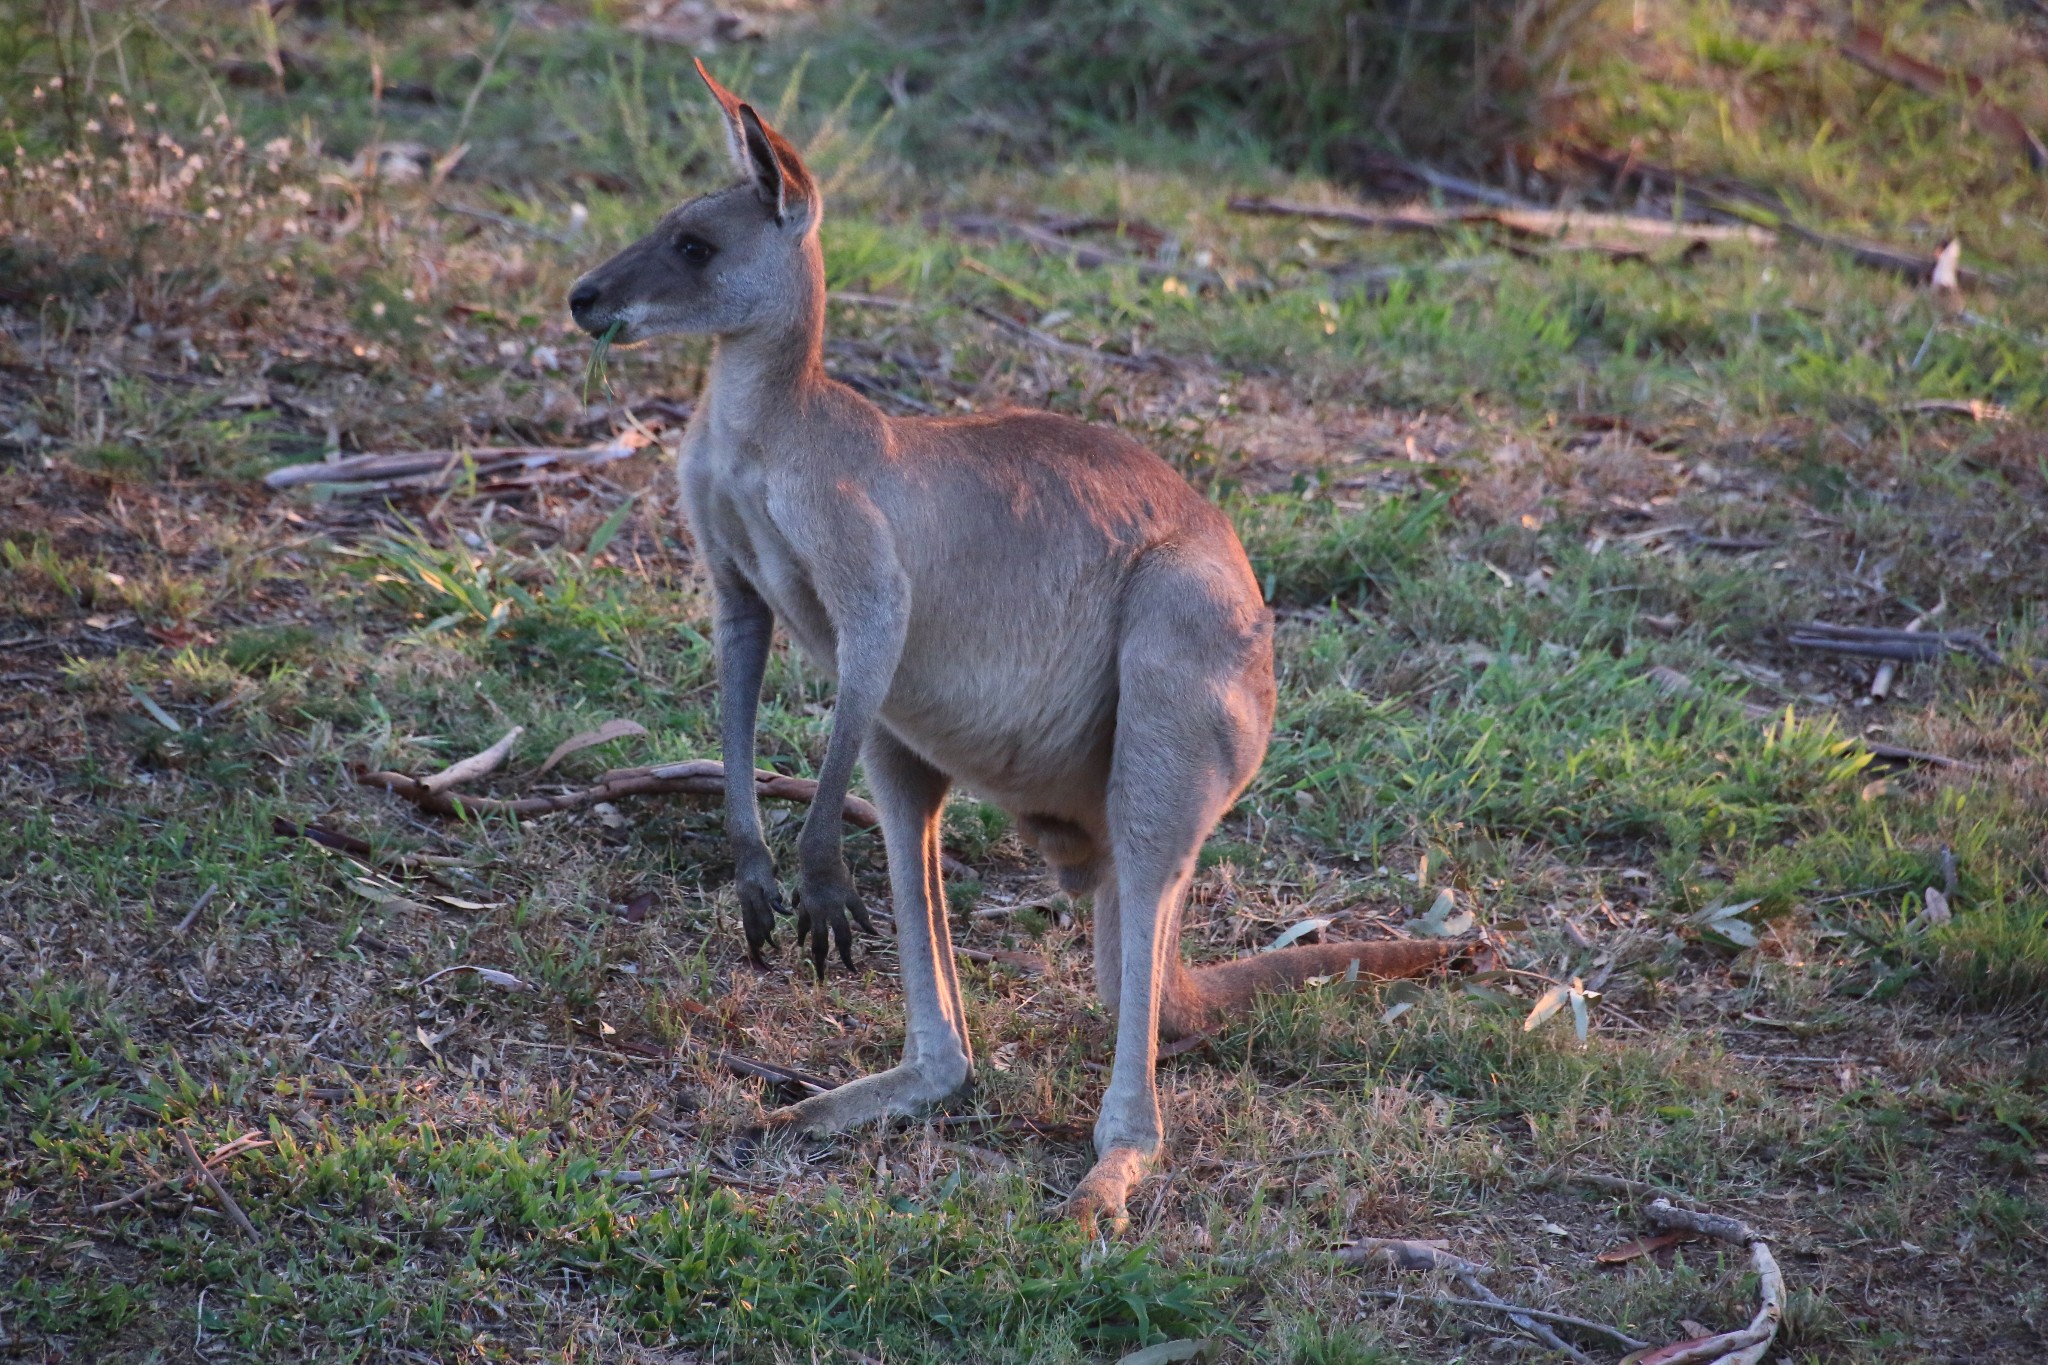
pixel 583 306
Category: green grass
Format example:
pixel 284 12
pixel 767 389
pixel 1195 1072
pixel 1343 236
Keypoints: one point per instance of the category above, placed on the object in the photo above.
pixel 1490 495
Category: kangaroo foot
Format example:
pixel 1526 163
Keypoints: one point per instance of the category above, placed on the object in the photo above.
pixel 900 1091
pixel 1099 1198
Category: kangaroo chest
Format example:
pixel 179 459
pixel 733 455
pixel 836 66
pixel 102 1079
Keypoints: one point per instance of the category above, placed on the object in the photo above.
pixel 730 508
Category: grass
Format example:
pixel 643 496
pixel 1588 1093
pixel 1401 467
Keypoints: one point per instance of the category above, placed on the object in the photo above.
pixel 1487 494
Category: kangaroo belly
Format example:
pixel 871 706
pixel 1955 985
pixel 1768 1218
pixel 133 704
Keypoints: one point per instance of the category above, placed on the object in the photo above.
pixel 1026 723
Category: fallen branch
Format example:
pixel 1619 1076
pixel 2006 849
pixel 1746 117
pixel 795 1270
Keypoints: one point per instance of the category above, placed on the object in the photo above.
pixel 434 470
pixel 1613 1184
pixel 1555 225
pixel 220 1191
pixel 697 777
pixel 1410 1255
pixel 1751 1344
pixel 1613 1334
pixel 1719 1226
pixel 1739 203
pixel 1867 48
pixel 1906 646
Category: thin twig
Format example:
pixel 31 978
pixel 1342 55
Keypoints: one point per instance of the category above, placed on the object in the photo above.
pixel 1614 1334
pixel 1410 1255
pixel 245 1143
pixel 191 916
pixel 1052 343
pixel 1613 1184
pixel 1080 254
pixel 753 1068
pixel 1907 646
pixel 220 1191
pixel 654 1174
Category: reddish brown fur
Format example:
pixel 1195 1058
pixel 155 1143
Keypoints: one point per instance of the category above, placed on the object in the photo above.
pixel 1201 999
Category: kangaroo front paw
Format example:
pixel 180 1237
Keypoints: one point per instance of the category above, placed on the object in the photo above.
pixel 822 908
pixel 760 903
pixel 1100 1198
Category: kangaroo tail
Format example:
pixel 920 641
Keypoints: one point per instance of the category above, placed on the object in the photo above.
pixel 1199 999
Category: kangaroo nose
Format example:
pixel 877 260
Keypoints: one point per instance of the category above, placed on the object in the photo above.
pixel 582 297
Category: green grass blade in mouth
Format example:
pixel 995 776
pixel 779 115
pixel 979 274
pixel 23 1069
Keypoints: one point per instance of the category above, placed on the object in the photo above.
pixel 595 371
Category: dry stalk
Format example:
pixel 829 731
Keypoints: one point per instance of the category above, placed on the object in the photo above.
pixel 220 1191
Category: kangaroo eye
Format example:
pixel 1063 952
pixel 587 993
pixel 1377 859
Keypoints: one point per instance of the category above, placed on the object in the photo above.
pixel 694 249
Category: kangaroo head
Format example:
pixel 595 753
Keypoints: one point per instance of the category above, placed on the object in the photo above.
pixel 742 259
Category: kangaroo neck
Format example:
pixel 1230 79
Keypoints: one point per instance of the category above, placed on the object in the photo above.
pixel 766 373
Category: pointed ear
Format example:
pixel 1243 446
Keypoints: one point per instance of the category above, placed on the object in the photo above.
pixel 764 157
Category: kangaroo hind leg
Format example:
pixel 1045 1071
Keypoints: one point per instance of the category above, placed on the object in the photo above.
pixel 937 1060
pixel 1194 705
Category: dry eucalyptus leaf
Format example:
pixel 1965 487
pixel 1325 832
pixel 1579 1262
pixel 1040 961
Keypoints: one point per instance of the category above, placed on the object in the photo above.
pixel 503 980
pixel 616 728
pixel 1297 932
pixel 1547 1004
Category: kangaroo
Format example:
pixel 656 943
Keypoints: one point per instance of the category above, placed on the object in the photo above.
pixel 1039 609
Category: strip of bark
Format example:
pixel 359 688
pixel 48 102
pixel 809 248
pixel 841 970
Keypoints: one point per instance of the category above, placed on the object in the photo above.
pixel 473 767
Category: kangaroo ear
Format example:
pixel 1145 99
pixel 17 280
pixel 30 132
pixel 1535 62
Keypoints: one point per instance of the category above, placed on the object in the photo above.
pixel 764 157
